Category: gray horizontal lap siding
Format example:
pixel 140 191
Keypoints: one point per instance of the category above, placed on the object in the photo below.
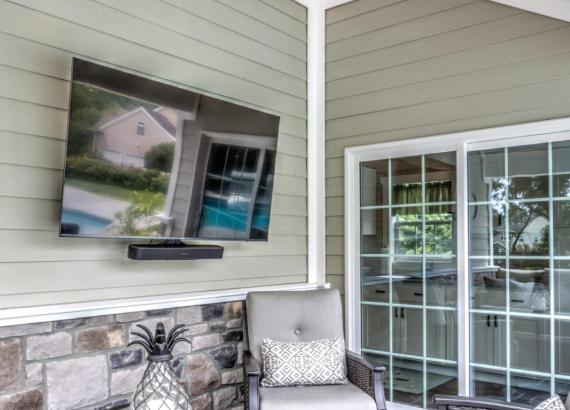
pixel 251 52
pixel 407 69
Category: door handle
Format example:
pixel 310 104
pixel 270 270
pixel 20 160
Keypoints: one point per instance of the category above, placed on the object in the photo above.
pixel 380 291
pixel 496 324
pixel 402 313
pixel 488 320
pixel 395 312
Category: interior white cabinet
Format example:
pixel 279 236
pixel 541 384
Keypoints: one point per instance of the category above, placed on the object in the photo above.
pixel 489 334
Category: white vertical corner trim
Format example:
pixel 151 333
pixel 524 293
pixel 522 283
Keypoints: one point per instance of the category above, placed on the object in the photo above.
pixel 316 142
pixel 352 250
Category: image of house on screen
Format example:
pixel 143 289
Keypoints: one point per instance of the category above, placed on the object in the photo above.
pixel 146 159
pixel 125 138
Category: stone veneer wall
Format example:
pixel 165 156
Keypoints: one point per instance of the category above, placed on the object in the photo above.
pixel 85 364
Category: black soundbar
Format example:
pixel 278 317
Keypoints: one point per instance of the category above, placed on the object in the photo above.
pixel 172 251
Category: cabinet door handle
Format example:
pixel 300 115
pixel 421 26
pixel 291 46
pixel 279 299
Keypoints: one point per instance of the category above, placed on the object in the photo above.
pixel 402 313
pixel 488 320
pixel 517 300
pixel 496 324
pixel 395 312
pixel 418 294
pixel 380 291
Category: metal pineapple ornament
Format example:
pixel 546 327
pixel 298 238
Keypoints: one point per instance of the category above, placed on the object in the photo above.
pixel 159 387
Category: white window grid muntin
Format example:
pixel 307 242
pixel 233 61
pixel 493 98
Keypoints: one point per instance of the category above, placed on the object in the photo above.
pixel 462 142
pixel 423 257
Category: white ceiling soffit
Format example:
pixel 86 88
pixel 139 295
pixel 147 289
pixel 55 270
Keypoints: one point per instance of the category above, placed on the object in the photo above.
pixel 559 9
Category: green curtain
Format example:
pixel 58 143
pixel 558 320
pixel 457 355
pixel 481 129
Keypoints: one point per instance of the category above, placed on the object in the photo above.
pixel 436 192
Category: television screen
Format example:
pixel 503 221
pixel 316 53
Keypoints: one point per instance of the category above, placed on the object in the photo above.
pixel 147 159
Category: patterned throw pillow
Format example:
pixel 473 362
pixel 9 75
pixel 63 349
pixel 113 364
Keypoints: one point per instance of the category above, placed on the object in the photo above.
pixel 303 363
pixel 553 403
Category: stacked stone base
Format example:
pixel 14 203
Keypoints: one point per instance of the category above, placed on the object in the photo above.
pixel 85 364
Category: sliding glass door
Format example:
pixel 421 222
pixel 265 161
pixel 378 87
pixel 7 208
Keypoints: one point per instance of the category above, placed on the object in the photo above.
pixel 409 273
pixel 458 265
pixel 519 246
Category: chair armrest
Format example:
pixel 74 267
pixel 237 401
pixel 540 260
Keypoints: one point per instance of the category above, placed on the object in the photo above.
pixel 367 377
pixel 363 362
pixel 252 366
pixel 252 372
pixel 444 402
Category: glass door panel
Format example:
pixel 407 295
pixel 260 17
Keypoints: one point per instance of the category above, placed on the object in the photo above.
pixel 518 206
pixel 409 273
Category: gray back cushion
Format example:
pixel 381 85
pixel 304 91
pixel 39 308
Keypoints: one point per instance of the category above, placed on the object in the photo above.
pixel 293 316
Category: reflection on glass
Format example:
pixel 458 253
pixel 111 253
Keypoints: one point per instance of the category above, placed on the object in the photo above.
pixel 561 168
pixel 528 171
pixel 489 384
pixel 407 282
pixel 487 230
pixel 375 279
pixel 561 228
pixel 441 379
pixel 441 334
pixel 562 347
pixel 441 281
pixel 561 286
pixel 488 339
pixel 375 231
pixel 488 290
pixel 562 388
pixel 408 382
pixel 374 183
pixel 262 209
pixel 375 327
pixel 529 389
pixel 529 285
pixel 407 180
pixel 407 336
pixel 530 344
pixel 407 229
pixel 528 228
pixel 229 184
pixel 486 175
pixel 143 161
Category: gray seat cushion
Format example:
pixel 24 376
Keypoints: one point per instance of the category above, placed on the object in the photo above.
pixel 293 317
pixel 335 397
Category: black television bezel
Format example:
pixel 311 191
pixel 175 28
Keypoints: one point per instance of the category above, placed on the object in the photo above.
pixel 121 71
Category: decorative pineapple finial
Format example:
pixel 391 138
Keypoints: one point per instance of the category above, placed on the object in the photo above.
pixel 159 388
pixel 159 347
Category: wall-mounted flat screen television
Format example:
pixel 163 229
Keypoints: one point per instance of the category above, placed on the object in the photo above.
pixel 146 159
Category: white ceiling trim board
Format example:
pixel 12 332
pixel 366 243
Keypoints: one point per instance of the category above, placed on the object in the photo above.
pixel 558 9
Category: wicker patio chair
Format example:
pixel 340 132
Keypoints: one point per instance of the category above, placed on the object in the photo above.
pixel 304 316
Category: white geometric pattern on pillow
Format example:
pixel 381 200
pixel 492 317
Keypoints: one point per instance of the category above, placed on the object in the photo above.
pixel 553 403
pixel 317 362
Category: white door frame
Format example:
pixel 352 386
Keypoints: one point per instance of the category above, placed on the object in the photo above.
pixel 462 142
